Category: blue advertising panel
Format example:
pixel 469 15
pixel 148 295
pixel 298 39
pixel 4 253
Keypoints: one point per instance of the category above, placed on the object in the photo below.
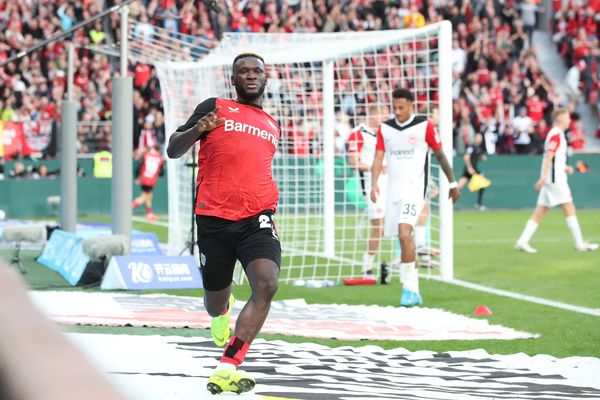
pixel 140 272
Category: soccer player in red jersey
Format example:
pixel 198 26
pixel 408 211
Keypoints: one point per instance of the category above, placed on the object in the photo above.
pixel 236 200
pixel 150 169
pixel 405 141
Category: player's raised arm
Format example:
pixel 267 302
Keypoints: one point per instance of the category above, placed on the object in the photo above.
pixel 203 120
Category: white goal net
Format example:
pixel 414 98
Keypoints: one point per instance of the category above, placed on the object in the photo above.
pixel 322 86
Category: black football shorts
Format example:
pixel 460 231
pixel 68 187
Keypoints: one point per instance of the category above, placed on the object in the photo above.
pixel 221 242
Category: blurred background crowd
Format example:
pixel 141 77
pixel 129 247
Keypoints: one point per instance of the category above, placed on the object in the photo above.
pixel 499 89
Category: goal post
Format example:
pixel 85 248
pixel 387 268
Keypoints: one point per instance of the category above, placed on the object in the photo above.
pixel 445 127
pixel 321 87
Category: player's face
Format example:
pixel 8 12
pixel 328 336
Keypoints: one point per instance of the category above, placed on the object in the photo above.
pixel 566 117
pixel 402 109
pixel 563 121
pixel 249 78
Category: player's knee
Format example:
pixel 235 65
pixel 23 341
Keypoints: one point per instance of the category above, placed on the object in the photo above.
pixel 267 288
pixel 214 310
pixel 405 236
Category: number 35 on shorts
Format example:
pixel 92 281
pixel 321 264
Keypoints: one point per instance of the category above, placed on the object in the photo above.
pixel 409 209
pixel 266 222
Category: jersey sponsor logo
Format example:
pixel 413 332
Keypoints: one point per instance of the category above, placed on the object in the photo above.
pixel 234 109
pixel 412 138
pixel 402 153
pixel 239 127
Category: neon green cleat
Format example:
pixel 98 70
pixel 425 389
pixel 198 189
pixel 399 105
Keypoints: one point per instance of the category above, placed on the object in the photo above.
pixel 230 380
pixel 219 326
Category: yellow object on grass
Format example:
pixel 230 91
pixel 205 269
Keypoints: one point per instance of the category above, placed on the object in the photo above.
pixel 478 182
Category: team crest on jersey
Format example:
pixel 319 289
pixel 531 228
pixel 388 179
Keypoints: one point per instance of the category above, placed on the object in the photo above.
pixel 412 138
pixel 234 109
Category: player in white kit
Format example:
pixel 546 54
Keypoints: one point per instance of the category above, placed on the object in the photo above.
pixel 554 188
pixel 405 141
pixel 361 152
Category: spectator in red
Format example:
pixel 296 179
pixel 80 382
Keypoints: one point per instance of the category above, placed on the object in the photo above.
pixel 576 135
pixel 300 139
pixel 141 75
pixel 483 73
pixel 148 138
pixel 535 108
pixel 542 130
pixel 147 175
pixel 256 19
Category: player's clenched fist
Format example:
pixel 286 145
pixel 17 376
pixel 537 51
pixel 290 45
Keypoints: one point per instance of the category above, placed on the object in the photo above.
pixel 209 122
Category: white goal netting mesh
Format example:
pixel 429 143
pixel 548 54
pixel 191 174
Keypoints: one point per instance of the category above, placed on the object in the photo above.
pixel 321 87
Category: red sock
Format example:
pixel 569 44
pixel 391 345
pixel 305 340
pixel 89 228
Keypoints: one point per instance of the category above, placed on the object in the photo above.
pixel 235 351
pixel 148 210
pixel 134 204
pixel 226 309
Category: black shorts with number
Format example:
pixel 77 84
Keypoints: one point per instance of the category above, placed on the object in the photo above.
pixel 221 242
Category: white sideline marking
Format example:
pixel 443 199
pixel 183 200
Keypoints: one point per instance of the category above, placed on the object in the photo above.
pixel 143 220
pixel 492 241
pixel 532 299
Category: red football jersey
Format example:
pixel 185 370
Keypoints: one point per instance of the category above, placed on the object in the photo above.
pixel 151 166
pixel 235 178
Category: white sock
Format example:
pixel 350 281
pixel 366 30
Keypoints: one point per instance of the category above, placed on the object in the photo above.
pixel 368 260
pixel 411 276
pixel 224 365
pixel 420 236
pixel 528 232
pixel 573 225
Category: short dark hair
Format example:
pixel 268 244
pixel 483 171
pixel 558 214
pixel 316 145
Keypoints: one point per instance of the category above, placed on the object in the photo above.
pixel 246 55
pixel 403 93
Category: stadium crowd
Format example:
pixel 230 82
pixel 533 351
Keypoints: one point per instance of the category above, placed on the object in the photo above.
pixel 576 33
pixel 499 89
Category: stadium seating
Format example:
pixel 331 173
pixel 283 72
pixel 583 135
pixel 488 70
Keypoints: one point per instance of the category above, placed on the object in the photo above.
pixel 576 33
pixel 495 70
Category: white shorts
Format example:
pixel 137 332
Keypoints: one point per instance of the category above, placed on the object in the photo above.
pixel 377 210
pixel 554 194
pixel 405 210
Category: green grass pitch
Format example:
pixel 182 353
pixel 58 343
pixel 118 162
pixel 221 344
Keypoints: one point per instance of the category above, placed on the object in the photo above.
pixel 483 254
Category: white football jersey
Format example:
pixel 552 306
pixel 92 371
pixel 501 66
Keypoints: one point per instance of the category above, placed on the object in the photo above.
pixel 406 148
pixel 557 142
